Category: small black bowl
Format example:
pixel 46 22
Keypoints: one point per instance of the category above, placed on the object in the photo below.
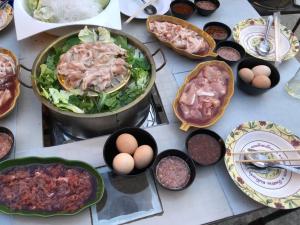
pixel 212 134
pixel 221 25
pixel 205 12
pixel 233 45
pixel 7 131
pixel 143 138
pixel 182 155
pixel 182 3
pixel 250 63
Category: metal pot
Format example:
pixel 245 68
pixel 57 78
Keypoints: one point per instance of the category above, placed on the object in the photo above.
pixel 91 125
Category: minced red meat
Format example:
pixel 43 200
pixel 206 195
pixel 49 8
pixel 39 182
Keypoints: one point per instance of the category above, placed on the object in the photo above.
pixel 45 187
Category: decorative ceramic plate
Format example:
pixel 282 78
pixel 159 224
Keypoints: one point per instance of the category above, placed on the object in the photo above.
pixel 8 15
pixel 277 188
pixel 249 33
pixel 129 7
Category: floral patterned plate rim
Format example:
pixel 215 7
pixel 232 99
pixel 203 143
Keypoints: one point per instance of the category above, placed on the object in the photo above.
pixel 277 188
pixel 250 32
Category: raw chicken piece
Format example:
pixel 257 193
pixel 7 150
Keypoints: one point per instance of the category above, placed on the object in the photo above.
pixel 92 65
pixel 5 95
pixel 188 97
pixel 7 66
pixel 202 96
pixel 180 37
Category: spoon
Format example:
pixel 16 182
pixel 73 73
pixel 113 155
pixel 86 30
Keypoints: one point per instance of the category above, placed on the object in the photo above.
pixel 258 156
pixel 264 47
pixel 150 9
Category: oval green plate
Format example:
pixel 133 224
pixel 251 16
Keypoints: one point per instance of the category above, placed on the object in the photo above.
pixel 98 192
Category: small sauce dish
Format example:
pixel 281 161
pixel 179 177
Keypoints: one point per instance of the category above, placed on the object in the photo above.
pixel 174 170
pixel 182 9
pixel 205 147
pixel 206 7
pixel 218 31
pixel 230 52
pixel 7 141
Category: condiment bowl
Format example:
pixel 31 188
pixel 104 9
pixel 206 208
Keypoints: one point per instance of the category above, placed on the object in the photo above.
pixel 143 138
pixel 250 63
pixel 206 12
pixel 7 131
pixel 182 9
pixel 234 45
pixel 220 25
pixel 182 155
pixel 211 134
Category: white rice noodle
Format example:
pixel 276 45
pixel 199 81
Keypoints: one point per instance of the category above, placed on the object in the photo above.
pixel 68 10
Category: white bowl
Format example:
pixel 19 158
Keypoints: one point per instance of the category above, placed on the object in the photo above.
pixel 27 26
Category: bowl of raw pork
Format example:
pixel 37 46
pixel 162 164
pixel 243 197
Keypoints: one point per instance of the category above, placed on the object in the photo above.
pixel 177 34
pixel 203 98
pixel 62 187
pixel 56 15
pixel 9 83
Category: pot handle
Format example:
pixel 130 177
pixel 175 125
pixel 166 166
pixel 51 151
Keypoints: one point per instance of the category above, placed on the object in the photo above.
pixel 18 77
pixel 164 58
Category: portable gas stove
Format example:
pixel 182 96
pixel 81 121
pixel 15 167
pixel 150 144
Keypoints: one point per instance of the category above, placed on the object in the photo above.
pixel 55 134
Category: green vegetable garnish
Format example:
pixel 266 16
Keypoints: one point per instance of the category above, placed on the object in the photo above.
pixel 86 35
pixel 32 4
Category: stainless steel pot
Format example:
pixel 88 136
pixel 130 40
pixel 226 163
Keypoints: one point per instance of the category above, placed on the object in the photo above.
pixel 91 125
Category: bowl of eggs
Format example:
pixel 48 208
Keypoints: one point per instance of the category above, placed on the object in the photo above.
pixel 130 151
pixel 256 76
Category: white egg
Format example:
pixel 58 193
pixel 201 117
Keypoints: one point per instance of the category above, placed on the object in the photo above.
pixel 261 70
pixel 123 163
pixel 143 156
pixel 263 82
pixel 246 75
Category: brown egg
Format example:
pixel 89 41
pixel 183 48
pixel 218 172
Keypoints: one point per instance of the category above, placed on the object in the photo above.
pixel 123 163
pixel 143 156
pixel 263 82
pixel 126 143
pixel 261 70
pixel 246 75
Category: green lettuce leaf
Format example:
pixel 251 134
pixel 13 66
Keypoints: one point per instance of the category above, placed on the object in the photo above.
pixel 61 100
pixel 43 13
pixel 103 35
pixel 70 107
pixel 32 5
pixel 86 35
